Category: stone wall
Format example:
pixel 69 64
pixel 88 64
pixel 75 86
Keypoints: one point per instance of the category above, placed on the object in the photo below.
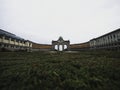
pixel 80 46
pixel 41 47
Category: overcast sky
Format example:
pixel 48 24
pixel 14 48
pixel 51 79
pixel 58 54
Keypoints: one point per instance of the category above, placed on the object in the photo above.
pixel 42 21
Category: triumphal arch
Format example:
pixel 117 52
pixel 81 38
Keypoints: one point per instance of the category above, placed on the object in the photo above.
pixel 61 44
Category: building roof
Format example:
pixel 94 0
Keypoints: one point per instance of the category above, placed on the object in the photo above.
pixel 8 34
pixel 118 30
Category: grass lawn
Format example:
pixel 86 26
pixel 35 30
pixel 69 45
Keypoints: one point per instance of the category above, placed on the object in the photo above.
pixel 60 71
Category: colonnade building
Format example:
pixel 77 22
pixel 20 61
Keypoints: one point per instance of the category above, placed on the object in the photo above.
pixel 9 41
pixel 108 41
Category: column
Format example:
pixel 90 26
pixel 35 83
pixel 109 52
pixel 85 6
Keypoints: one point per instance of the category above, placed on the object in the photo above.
pixel 3 39
pixel 58 47
pixel 53 46
pixel 68 46
pixel 9 40
pixel 63 47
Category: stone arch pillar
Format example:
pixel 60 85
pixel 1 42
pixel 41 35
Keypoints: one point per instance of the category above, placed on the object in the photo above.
pixel 63 47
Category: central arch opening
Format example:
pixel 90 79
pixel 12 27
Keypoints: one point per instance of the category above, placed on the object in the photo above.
pixel 60 48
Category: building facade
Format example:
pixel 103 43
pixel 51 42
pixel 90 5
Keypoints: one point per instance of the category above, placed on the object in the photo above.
pixel 11 42
pixel 108 41
pixel 61 44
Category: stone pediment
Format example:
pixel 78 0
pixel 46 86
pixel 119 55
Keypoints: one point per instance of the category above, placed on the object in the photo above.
pixel 60 40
